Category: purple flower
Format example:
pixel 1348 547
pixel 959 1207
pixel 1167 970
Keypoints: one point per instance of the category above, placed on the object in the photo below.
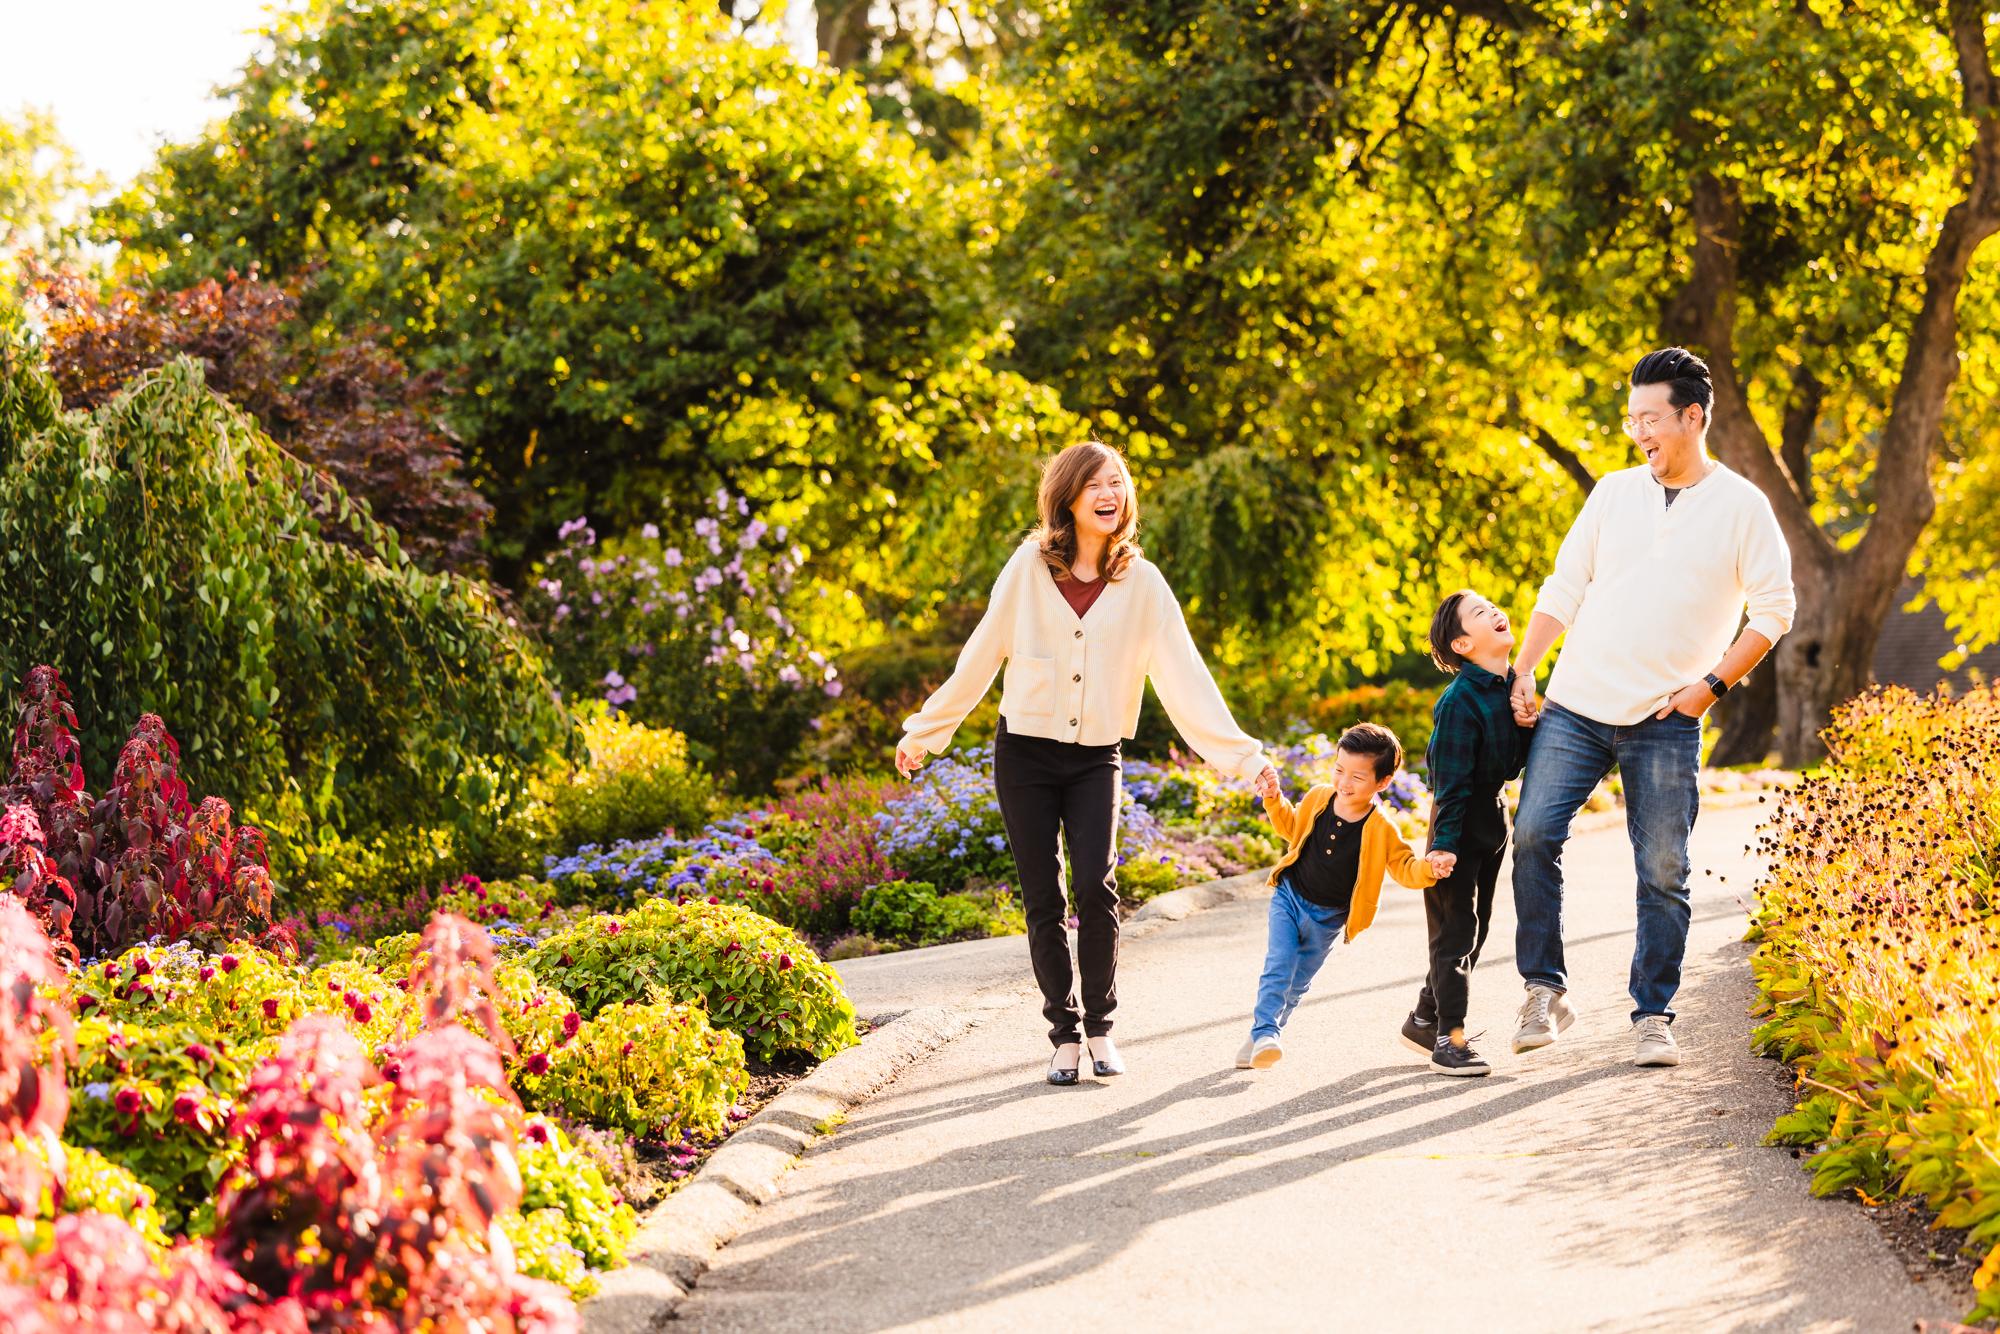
pixel 651 532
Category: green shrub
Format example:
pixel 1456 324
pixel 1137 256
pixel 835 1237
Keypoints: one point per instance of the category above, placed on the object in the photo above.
pixel 853 946
pixel 244 995
pixel 543 1249
pixel 913 912
pixel 533 1015
pixel 156 1100
pixel 956 917
pixel 1146 877
pixel 897 910
pixel 638 780
pixel 650 1069
pixel 556 1173
pixel 168 558
pixel 1001 914
pixel 93 1183
pixel 754 976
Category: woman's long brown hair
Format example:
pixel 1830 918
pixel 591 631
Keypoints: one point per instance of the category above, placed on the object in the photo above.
pixel 1063 480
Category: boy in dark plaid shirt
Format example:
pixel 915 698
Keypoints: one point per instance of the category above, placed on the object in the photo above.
pixel 1476 747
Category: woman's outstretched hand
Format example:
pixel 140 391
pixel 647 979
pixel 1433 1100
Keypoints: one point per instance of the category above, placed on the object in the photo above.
pixel 910 757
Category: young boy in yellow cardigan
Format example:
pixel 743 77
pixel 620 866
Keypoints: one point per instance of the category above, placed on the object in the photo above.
pixel 1325 888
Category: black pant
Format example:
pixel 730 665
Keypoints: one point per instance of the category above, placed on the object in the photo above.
pixel 1056 789
pixel 1458 910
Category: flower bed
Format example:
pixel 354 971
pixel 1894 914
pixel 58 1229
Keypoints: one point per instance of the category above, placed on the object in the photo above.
pixel 1878 962
pixel 178 1042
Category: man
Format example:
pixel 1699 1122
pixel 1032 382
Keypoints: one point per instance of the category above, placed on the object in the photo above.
pixel 1650 584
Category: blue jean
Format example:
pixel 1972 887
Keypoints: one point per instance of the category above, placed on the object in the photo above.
pixel 1659 758
pixel 1302 935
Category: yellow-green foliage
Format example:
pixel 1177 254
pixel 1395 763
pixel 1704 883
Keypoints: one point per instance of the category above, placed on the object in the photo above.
pixel 1879 960
pixel 751 975
pixel 650 1069
pixel 94 1183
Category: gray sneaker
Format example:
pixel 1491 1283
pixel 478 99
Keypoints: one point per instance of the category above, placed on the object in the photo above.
pixel 1545 1013
pixel 1653 1042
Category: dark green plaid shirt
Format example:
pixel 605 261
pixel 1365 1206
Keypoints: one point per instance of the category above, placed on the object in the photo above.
pixel 1476 746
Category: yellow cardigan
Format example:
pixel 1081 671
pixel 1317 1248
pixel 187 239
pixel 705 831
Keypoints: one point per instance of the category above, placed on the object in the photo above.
pixel 1382 849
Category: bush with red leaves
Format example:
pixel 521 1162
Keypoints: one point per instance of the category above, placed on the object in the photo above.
pixel 347 406
pixel 328 1223
pixel 141 862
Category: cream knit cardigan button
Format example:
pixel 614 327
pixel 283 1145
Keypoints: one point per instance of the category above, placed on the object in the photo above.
pixel 1082 680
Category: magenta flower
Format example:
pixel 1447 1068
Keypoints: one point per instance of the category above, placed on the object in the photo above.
pixel 784 963
pixel 270 1007
pixel 196 1052
pixel 229 963
pixel 571 1023
pixel 128 1101
pixel 207 972
pixel 538 1064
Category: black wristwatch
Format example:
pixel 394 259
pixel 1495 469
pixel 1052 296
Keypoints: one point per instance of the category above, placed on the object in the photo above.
pixel 1717 684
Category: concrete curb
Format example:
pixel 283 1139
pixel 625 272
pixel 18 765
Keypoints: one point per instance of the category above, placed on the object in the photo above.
pixel 1175 904
pixel 678 1239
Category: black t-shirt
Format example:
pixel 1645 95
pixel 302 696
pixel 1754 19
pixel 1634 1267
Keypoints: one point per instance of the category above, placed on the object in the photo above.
pixel 1330 861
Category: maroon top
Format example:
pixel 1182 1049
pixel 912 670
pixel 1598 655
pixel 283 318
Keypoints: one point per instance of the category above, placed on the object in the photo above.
pixel 1079 594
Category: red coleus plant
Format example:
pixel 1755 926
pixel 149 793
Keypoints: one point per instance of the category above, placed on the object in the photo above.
pixel 452 978
pixel 47 775
pixel 35 1044
pixel 42 889
pixel 140 862
pixel 328 1223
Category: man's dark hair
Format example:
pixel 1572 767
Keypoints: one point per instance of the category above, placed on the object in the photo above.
pixel 1376 742
pixel 1684 374
pixel 1446 625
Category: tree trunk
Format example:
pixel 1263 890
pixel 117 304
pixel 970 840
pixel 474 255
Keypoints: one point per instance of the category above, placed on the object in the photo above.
pixel 1748 717
pixel 1829 656
pixel 843 31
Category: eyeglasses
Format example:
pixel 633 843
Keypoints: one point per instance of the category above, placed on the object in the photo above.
pixel 1640 426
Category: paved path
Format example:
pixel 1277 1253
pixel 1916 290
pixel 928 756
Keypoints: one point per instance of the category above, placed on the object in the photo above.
pixel 1347 1189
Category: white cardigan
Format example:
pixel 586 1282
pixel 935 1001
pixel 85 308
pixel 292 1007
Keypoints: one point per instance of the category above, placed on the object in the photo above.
pixel 1081 679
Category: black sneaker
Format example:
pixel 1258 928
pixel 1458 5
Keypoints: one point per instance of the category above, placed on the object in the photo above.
pixel 1419 1036
pixel 1457 1058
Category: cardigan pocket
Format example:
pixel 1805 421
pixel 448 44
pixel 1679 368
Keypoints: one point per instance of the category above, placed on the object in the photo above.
pixel 1029 689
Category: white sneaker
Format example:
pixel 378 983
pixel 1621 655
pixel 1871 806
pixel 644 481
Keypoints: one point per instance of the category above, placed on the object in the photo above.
pixel 1263 1053
pixel 1653 1042
pixel 1545 1013
pixel 1246 1054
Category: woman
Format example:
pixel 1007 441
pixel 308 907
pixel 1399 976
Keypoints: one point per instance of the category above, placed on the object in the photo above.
pixel 1081 619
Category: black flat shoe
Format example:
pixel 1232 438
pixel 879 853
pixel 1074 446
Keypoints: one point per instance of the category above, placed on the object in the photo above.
pixel 1109 1063
pixel 1058 1075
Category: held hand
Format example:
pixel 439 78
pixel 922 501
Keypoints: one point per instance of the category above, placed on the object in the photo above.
pixel 1527 708
pixel 1442 862
pixel 1693 701
pixel 1267 783
pixel 910 757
